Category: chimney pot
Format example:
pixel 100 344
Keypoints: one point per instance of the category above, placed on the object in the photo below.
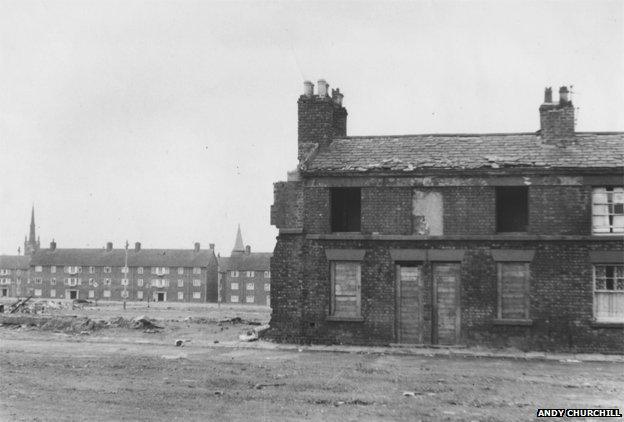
pixel 323 87
pixel 109 246
pixel 308 88
pixel 548 95
pixel 563 95
pixel 137 246
pixel 53 245
pixel 196 246
pixel 337 96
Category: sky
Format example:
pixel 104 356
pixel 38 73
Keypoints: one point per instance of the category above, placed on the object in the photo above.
pixel 167 122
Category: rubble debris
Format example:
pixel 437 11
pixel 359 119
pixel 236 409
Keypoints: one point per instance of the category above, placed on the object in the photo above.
pixel 179 343
pixel 261 386
pixel 143 322
pixel 235 320
pixel 19 304
pixel 251 335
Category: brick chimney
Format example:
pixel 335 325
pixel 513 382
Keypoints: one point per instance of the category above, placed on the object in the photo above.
pixel 248 250
pixel 109 246
pixel 137 246
pixel 53 245
pixel 196 249
pixel 556 119
pixel 321 117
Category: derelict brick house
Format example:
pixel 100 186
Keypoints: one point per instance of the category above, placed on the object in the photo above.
pixel 245 276
pixel 162 275
pixel 496 239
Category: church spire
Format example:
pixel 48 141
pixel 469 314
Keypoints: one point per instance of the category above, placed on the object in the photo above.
pixel 238 244
pixel 32 244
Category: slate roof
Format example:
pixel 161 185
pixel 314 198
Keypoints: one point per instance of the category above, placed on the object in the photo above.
pixel 255 261
pixel 11 262
pixel 116 257
pixel 413 153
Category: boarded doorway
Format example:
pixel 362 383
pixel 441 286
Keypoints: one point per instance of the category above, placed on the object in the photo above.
pixel 409 301
pixel 446 313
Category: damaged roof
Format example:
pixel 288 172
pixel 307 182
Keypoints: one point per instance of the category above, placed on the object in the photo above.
pixel 116 257
pixel 466 152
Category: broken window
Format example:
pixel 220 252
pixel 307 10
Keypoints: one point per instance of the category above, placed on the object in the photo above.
pixel 346 280
pixel 609 293
pixel 608 210
pixel 512 209
pixel 427 213
pixel 513 290
pixel 345 209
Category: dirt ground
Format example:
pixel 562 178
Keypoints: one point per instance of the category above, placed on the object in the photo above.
pixel 126 374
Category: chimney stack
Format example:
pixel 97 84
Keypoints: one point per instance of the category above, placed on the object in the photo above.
pixel 247 249
pixel 53 245
pixel 109 246
pixel 137 246
pixel 321 118
pixel 211 246
pixel 196 247
pixel 557 119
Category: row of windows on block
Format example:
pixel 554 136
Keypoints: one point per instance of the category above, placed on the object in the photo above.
pixel 265 274
pixel 77 281
pixel 513 290
pixel 512 210
pixel 123 270
pixel 249 286
pixel 237 299
pixel 9 271
pixel 91 294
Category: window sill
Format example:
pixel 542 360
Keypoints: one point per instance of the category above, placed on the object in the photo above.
pixel 607 324
pixel 520 322
pixel 344 318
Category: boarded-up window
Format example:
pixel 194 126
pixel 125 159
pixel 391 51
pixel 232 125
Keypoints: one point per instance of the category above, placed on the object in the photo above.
pixel 609 293
pixel 608 210
pixel 346 279
pixel 512 209
pixel 513 290
pixel 427 213
pixel 345 209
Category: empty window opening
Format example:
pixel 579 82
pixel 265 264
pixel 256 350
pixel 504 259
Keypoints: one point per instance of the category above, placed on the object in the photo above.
pixel 512 209
pixel 345 209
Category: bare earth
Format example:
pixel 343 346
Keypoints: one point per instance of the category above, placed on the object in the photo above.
pixel 125 374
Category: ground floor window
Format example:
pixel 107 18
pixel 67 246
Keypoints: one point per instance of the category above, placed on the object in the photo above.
pixel 196 295
pixel 139 294
pixel 91 294
pixel 107 293
pixel 513 290
pixel 609 293
pixel 37 292
pixel 180 295
pixel 53 293
pixel 346 280
pixel 234 299
pixel 249 299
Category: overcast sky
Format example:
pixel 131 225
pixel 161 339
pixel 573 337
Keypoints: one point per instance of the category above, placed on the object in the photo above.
pixel 167 122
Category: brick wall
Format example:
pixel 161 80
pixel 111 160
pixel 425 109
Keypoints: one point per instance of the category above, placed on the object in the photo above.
pixel 316 210
pixel 386 210
pixel 560 210
pixel 287 208
pixel 469 210
pixel 561 295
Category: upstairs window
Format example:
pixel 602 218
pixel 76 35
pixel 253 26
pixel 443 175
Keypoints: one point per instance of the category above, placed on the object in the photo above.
pixel 345 209
pixel 608 210
pixel 512 209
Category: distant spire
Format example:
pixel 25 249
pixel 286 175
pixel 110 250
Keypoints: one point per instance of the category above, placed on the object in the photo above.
pixel 31 237
pixel 238 245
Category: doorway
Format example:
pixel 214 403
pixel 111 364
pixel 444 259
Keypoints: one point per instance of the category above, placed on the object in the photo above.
pixel 5 292
pixel 409 300
pixel 161 296
pixel 73 294
pixel 446 312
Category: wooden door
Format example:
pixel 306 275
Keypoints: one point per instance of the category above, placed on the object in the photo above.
pixel 446 315
pixel 409 301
